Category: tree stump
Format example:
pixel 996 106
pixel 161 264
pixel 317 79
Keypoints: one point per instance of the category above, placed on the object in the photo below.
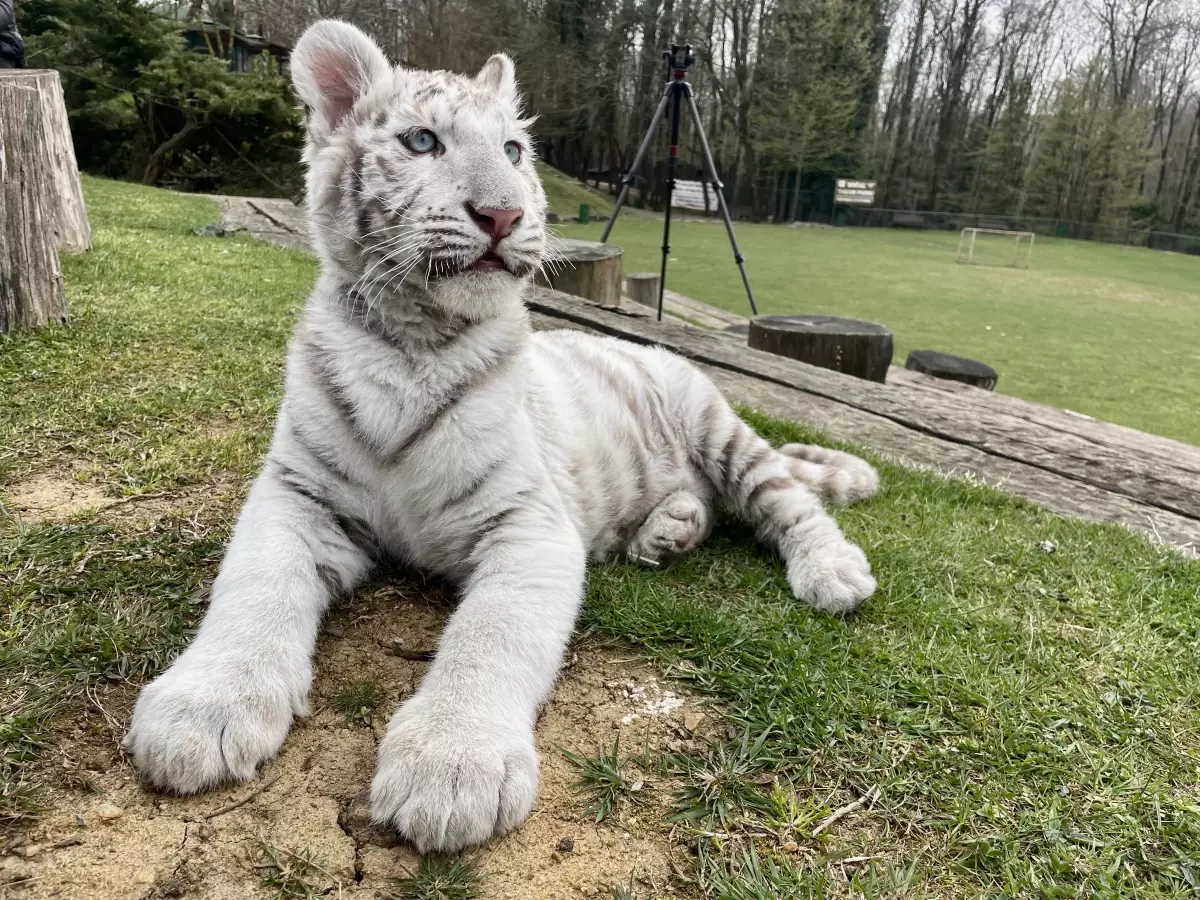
pixel 31 284
pixel 861 349
pixel 643 288
pixel 73 234
pixel 952 368
pixel 587 269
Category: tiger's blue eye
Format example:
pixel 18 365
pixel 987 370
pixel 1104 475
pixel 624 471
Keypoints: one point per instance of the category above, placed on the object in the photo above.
pixel 513 151
pixel 422 141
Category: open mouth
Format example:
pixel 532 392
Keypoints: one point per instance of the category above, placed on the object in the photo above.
pixel 489 262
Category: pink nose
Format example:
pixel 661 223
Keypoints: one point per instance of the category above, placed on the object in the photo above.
pixel 496 222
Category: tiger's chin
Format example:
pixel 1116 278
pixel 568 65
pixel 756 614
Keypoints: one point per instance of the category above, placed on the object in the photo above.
pixel 477 294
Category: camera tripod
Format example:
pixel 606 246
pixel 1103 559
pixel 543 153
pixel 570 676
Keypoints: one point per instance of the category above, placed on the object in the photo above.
pixel 679 58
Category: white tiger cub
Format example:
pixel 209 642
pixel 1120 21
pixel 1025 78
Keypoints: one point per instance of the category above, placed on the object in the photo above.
pixel 424 420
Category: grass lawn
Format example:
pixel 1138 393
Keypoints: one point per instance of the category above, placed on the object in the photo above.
pixel 565 194
pixel 1027 715
pixel 1106 330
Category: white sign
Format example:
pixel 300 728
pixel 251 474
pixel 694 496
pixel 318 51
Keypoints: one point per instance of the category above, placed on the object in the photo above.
pixel 859 193
pixel 690 195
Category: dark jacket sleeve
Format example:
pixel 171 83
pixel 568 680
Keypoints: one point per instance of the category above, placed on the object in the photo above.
pixel 12 48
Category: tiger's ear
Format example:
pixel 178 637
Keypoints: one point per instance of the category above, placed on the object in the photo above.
pixel 499 76
pixel 333 65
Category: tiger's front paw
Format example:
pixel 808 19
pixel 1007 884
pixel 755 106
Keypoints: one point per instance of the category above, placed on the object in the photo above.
pixel 450 779
pixel 208 721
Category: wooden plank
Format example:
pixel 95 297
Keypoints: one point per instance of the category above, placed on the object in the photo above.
pixel 1167 486
pixel 1061 495
pixel 893 440
pixel 1162 449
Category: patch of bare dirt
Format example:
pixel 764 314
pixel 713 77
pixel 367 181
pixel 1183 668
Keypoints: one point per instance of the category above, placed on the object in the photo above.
pixel 58 496
pixel 54 497
pixel 108 839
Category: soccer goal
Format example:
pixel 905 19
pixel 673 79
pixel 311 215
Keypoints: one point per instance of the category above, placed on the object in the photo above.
pixel 995 247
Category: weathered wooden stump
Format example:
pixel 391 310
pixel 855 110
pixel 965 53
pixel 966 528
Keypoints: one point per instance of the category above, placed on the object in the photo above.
pixel 72 232
pixel 31 284
pixel 643 288
pixel 861 349
pixel 587 269
pixel 952 368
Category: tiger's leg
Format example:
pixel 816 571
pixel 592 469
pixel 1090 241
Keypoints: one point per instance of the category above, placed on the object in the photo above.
pixel 823 568
pixel 834 476
pixel 675 526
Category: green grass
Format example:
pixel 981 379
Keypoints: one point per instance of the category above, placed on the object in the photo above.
pixel 565 194
pixel 285 873
pixel 440 878
pixel 1028 718
pixel 358 701
pixel 602 780
pixel 1106 330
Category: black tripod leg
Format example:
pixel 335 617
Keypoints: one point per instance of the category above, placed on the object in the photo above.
pixel 712 174
pixel 637 162
pixel 672 162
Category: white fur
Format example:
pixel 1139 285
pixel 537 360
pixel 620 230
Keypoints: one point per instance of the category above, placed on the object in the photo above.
pixel 423 420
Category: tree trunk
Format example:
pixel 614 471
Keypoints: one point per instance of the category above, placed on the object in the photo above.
pixel 861 349
pixel 587 269
pixel 31 284
pixel 643 288
pixel 952 368
pixel 154 165
pixel 72 233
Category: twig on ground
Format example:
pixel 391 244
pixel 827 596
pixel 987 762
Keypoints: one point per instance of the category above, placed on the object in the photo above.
pixel 134 498
pixel 237 804
pixel 849 860
pixel 837 814
pixel 414 655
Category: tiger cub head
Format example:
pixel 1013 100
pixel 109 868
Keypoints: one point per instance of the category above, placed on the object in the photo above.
pixel 418 182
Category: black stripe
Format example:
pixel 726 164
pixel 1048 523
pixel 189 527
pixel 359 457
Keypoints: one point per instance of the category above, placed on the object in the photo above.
pixel 323 371
pixel 775 483
pixel 330 578
pixel 359 534
pixel 493 523
pixel 296 483
pixel 728 451
pixel 763 451
pixel 473 488
pixel 318 454
pixel 455 396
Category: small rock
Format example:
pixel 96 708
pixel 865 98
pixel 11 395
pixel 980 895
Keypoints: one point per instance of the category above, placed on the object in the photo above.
pixel 98 762
pixel 29 851
pixel 693 720
pixel 335 631
pixel 556 857
pixel 566 845
pixel 79 821
pixel 109 812
pixel 206 832
pixel 1047 546
pixel 143 876
pixel 791 847
pixel 588 890
pixel 607 838
pixel 631 821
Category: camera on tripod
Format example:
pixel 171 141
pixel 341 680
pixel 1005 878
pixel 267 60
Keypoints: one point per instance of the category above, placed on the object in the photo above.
pixel 676 94
pixel 679 57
